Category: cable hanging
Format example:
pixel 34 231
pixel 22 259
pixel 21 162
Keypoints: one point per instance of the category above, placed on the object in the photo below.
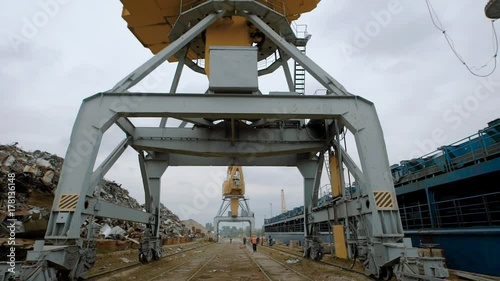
pixel 437 23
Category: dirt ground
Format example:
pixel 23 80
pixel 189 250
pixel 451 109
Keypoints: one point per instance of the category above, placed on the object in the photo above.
pixel 234 261
pixel 110 260
pixel 227 261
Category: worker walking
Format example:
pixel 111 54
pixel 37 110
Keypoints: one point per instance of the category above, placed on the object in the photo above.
pixel 254 243
pixel 244 240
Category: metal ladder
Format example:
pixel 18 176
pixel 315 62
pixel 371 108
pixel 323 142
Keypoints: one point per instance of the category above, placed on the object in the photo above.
pixel 300 75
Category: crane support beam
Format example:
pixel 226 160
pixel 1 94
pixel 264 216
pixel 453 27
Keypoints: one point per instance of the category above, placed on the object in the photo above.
pixel 126 126
pixel 199 161
pixel 151 171
pixel 313 68
pixel 137 75
pixel 230 106
pixel 197 122
pixel 218 220
pixel 225 148
pixel 177 79
pixel 105 209
pixel 311 171
pixel 101 171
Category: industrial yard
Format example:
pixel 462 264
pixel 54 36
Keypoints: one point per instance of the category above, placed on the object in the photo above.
pixel 229 261
pixel 148 140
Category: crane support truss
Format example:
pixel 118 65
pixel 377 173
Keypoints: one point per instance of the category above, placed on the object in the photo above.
pixel 254 130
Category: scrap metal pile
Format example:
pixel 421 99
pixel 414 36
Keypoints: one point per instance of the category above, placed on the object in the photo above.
pixel 36 177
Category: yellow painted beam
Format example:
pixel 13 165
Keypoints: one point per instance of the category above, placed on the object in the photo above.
pixel 234 207
pixel 339 241
pixel 235 182
pixel 335 179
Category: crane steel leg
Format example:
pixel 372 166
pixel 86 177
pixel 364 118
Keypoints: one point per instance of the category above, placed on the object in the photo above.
pixel 68 251
pixel 64 253
pixel 311 171
pixel 151 244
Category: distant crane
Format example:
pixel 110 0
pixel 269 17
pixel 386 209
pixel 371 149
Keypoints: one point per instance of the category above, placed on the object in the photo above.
pixel 233 198
pixel 283 203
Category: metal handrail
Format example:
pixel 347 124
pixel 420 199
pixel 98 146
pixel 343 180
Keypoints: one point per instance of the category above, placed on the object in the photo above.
pixel 468 197
pixel 477 147
pixel 300 30
pixel 278 6
pixel 462 212
pixel 453 212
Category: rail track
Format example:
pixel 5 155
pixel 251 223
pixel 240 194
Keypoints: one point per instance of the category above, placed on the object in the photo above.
pixel 346 268
pixel 137 264
pixel 223 262
pixel 278 262
pixel 181 264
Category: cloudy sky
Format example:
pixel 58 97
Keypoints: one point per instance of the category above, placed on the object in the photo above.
pixel 54 53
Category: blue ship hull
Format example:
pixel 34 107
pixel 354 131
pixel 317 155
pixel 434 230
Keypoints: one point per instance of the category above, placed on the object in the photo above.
pixel 440 202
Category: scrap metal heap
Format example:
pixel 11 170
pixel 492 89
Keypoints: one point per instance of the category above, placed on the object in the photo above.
pixel 231 124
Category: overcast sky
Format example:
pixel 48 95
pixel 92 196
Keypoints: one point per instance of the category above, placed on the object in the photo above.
pixel 54 53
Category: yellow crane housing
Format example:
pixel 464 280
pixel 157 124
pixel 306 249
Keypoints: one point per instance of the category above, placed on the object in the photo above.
pixel 234 187
pixel 151 21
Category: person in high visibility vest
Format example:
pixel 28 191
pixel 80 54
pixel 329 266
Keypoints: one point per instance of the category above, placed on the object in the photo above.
pixel 254 243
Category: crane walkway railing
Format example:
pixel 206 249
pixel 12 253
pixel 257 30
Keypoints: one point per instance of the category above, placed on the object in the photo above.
pixel 276 5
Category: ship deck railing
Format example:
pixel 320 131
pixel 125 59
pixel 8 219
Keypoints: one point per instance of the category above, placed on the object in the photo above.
pixel 472 211
pixel 477 148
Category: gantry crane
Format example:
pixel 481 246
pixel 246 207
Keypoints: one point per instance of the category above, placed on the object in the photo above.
pixel 233 198
pixel 232 123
